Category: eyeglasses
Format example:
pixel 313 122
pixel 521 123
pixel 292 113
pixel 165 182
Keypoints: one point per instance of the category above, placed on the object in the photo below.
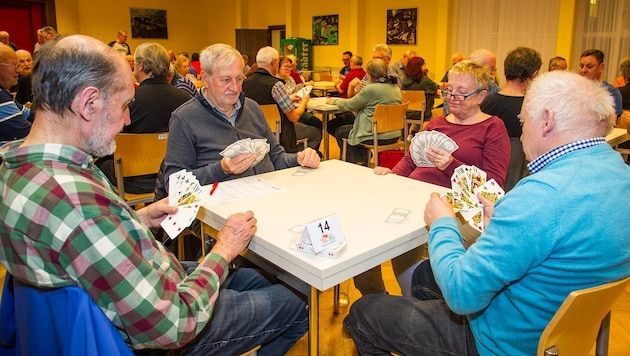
pixel 459 97
pixel 14 66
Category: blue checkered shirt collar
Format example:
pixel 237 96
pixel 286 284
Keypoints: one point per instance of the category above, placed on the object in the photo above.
pixel 540 162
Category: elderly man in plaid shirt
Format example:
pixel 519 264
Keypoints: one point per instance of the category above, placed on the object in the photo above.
pixel 62 224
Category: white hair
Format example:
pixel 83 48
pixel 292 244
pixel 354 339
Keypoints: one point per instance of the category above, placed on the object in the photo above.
pixel 578 103
pixel 266 55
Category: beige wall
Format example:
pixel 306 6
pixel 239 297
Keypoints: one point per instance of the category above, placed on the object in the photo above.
pixel 362 23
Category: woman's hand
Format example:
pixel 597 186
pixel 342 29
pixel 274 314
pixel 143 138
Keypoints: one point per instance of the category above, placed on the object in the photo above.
pixel 439 157
pixel 381 171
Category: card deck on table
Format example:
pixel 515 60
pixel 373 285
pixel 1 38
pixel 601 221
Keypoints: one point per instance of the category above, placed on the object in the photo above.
pixel 397 216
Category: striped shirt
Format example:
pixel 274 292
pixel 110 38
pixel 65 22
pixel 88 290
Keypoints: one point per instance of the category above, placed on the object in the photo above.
pixel 543 160
pixel 62 224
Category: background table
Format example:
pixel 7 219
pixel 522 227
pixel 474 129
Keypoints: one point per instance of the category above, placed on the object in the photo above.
pixel 361 200
pixel 318 105
pixel 617 136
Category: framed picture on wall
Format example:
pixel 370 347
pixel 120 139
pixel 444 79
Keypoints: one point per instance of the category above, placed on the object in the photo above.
pixel 401 26
pixel 326 30
pixel 148 23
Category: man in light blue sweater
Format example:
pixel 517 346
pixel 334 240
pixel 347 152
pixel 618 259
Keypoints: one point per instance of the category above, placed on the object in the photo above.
pixel 560 229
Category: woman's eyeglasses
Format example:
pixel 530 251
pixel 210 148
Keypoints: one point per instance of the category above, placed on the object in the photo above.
pixel 459 97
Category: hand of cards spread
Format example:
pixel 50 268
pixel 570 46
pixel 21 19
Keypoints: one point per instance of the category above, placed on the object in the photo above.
pixel 305 91
pixel 184 191
pixel 425 139
pixel 257 146
pixel 466 183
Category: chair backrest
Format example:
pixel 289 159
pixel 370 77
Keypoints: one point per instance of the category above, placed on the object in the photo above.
pixel 62 321
pixel 140 153
pixel 416 99
pixel 389 118
pixel 573 329
pixel 272 115
pixel 136 155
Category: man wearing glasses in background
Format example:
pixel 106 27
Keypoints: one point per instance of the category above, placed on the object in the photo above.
pixel 346 65
pixel 592 66
pixel 15 119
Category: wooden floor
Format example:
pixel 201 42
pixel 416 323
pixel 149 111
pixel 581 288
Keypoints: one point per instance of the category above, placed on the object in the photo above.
pixel 332 343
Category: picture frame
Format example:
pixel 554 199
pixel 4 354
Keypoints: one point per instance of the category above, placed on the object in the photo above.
pixel 402 26
pixel 325 30
pixel 148 23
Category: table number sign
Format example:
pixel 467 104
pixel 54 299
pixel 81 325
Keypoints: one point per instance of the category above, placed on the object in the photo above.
pixel 323 237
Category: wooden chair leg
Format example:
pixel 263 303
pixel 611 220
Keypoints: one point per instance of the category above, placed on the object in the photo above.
pixel 601 346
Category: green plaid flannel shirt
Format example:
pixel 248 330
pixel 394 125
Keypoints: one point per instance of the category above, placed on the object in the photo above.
pixel 62 224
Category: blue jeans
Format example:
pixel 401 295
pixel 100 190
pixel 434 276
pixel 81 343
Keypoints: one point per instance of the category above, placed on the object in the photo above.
pixel 380 324
pixel 251 311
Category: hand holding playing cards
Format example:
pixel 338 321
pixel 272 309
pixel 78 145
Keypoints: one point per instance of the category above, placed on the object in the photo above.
pixel 152 215
pixel 440 158
pixel 308 158
pixel 238 164
pixel 235 235
pixel 488 208
pixel 436 208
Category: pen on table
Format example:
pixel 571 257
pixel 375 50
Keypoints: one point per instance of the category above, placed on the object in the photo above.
pixel 214 187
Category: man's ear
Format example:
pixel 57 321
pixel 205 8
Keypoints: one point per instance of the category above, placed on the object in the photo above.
pixel 548 122
pixel 88 102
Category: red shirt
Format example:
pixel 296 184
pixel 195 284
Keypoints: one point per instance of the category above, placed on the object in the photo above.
pixel 355 73
pixel 485 145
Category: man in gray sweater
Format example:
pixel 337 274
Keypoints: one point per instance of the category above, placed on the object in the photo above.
pixel 217 117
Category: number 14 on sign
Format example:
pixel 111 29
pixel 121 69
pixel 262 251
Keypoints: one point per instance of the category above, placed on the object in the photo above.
pixel 323 233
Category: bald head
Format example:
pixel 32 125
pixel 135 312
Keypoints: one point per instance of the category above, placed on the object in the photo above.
pixel 4 37
pixel 8 72
pixel 88 61
pixel 25 62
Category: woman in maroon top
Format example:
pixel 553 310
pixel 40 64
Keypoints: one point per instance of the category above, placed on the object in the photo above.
pixel 482 139
pixel 483 142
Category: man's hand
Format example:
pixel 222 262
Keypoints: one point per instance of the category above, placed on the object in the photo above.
pixel 381 171
pixel 308 158
pixel 238 164
pixel 152 215
pixel 436 208
pixel 235 235
pixel 488 208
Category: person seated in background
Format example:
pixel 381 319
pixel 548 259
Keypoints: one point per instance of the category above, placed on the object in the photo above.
pixel 624 68
pixel 399 66
pixel 154 101
pixel 592 66
pixel 535 242
pixel 521 66
pixel 217 117
pixel 265 88
pixel 380 90
pixel 557 63
pixel 356 71
pixel 24 88
pixel 180 82
pixel 15 118
pixel 456 58
pixel 72 229
pixel 416 79
pixel 384 53
pixel 297 77
pixel 182 66
pixel 483 142
pixel 489 61
pixel 345 58
pixel 195 64
pixel 284 73
pixel 5 39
